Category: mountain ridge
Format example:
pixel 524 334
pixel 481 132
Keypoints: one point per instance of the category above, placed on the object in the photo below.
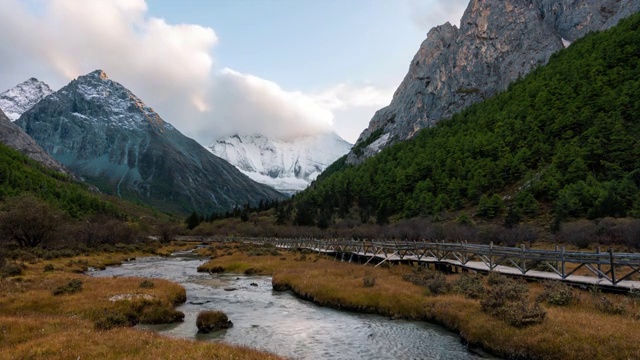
pixel 498 42
pixel 106 134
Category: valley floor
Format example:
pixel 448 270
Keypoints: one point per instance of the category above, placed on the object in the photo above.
pixel 84 321
pixel 594 325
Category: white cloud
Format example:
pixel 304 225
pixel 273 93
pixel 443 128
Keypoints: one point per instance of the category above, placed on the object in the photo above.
pixel 426 14
pixel 353 106
pixel 246 104
pixel 344 96
pixel 171 67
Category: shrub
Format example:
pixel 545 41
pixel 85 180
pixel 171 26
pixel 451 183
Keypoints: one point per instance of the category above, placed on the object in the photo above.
pixel 437 284
pixel 29 221
pixel 508 300
pixel 495 278
pixel 211 270
pixel 11 269
pixel 132 312
pixel 147 284
pixel 116 318
pixel 522 314
pixel 557 293
pixel 71 287
pixel 155 312
pixel 48 268
pixel 209 321
pixel 369 281
pixel 470 285
pixel 579 233
pixel 605 305
pixel 434 281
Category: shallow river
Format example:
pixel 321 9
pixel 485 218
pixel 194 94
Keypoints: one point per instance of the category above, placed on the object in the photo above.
pixel 280 323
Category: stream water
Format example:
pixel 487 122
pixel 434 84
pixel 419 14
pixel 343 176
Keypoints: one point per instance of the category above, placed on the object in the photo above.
pixel 280 323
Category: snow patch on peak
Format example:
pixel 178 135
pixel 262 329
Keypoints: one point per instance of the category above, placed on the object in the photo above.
pixel 124 109
pixel 16 101
pixel 287 165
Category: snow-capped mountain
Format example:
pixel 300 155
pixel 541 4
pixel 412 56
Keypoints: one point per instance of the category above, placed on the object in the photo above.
pixel 16 101
pixel 287 165
pixel 103 132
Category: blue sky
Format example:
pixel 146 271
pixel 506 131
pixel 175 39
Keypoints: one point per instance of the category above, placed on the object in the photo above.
pixel 214 68
pixel 307 44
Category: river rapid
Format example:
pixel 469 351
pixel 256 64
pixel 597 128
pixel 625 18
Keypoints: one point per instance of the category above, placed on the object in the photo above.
pixel 280 323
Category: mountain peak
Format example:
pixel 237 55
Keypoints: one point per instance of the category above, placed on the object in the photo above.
pixel 97 74
pixel 14 102
pixel 102 131
pixel 106 96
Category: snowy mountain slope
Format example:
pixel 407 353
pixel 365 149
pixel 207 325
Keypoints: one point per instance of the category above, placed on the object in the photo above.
pixel 16 101
pixel 288 166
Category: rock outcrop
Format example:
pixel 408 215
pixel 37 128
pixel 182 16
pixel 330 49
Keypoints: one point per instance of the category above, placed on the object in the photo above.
pixel 498 41
pixel 14 137
pixel 104 133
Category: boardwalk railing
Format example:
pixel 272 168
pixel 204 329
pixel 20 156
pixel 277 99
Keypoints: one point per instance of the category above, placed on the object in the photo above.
pixel 614 267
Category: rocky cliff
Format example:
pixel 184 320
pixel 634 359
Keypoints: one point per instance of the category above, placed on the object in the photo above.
pixel 14 137
pixel 104 133
pixel 498 41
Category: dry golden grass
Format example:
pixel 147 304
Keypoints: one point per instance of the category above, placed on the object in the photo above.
pixel 49 337
pixel 579 331
pixel 35 324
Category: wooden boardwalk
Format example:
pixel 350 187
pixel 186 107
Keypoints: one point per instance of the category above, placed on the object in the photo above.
pixel 608 270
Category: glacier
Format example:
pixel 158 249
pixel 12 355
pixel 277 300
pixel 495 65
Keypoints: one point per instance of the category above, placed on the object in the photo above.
pixel 288 165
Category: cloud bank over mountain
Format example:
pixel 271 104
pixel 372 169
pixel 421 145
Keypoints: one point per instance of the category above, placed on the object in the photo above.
pixel 172 67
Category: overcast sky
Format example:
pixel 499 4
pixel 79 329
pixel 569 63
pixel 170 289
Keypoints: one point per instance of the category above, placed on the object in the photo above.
pixel 214 68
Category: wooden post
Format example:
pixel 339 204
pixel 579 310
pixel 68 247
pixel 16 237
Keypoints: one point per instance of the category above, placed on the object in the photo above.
pixel 556 258
pixel 613 267
pixel 491 256
pixel 599 265
pixel 564 270
pixel 524 262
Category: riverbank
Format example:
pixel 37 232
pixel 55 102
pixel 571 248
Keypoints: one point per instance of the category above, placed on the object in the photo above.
pixel 578 331
pixel 49 309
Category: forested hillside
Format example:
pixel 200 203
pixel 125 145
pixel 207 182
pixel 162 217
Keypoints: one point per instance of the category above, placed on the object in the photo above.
pixel 40 207
pixel 19 175
pixel 565 138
